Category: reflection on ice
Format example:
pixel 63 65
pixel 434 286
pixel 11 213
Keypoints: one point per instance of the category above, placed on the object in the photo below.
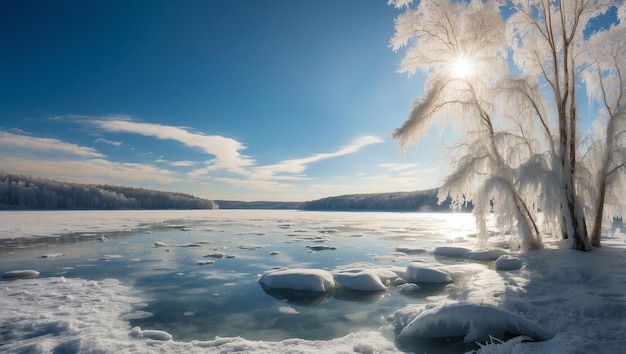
pixel 298 297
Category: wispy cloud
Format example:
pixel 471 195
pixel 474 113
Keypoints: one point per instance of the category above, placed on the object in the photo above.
pixel 397 167
pixel 54 158
pixel 225 166
pixel 90 171
pixel 295 166
pixel 28 145
pixel 110 142
pixel 257 185
pixel 226 151
pixel 176 163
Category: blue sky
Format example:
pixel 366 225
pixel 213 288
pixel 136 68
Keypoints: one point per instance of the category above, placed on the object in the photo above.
pixel 245 100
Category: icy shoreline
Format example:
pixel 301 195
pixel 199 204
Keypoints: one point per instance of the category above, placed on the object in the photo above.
pixel 48 314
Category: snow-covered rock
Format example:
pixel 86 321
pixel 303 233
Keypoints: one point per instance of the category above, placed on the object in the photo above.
pixel 20 273
pixel 316 280
pixel 410 250
pixel 417 272
pixel 408 288
pixel 451 251
pixel 153 334
pixel 363 280
pixel 472 321
pixel 508 263
pixel 485 255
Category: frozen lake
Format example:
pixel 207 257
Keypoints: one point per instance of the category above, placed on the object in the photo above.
pixel 162 255
pixel 190 282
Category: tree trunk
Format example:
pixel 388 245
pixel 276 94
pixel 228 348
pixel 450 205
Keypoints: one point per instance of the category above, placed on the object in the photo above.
pixel 575 224
pixel 597 225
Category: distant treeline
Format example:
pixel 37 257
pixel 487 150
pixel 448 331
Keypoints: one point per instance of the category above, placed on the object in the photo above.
pixel 19 192
pixel 25 192
pixel 233 204
pixel 422 201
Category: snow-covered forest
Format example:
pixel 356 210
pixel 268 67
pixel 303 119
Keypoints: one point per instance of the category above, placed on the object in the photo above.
pixel 534 91
pixel 24 192
pixel 422 201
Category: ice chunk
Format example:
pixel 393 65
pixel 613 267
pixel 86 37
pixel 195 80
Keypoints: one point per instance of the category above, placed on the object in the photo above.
pixel 321 248
pixel 153 334
pixel 137 315
pixel 21 273
pixel 216 255
pixel 410 250
pixel 316 280
pixel 108 257
pixel 288 309
pixel 417 272
pixel 508 263
pixel 451 251
pixel 408 288
pixel 364 280
pixel 473 322
pixel 52 255
pixel 250 247
pixel 485 255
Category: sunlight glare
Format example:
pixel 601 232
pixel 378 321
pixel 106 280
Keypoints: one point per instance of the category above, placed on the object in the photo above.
pixel 461 68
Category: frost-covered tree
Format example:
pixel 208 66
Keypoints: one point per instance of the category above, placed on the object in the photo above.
pixel 605 162
pixel 505 76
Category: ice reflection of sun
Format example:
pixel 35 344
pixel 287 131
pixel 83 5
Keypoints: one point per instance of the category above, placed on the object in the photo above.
pixel 461 68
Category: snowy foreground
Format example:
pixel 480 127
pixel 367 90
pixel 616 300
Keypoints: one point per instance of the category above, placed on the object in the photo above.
pixel 558 300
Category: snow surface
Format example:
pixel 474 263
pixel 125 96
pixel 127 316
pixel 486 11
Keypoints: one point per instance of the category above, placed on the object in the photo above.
pixel 575 300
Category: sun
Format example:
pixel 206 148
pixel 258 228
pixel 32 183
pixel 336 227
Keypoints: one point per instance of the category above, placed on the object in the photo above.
pixel 462 68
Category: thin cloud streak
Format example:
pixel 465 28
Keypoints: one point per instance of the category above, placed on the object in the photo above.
pixel 40 146
pixel 300 165
pixel 90 171
pixel 110 142
pixel 397 167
